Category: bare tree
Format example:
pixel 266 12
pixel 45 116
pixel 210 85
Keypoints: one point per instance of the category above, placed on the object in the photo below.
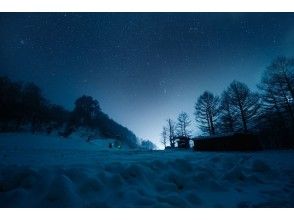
pixel 171 132
pixel 277 88
pixel 164 136
pixel 227 117
pixel 183 125
pixel 245 102
pixel 206 111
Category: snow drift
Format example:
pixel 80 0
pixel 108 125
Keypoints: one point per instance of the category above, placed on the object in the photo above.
pixel 48 171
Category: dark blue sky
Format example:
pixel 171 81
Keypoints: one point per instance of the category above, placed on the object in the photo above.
pixel 142 67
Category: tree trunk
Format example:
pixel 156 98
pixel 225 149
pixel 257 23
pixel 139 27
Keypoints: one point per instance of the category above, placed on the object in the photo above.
pixel 211 125
pixel 244 121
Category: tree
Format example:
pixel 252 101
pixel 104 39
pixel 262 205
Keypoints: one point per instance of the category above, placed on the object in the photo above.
pixel 171 132
pixel 87 114
pixel 24 104
pixel 277 89
pixel 164 136
pixel 57 115
pixel 206 112
pixel 86 111
pixel 244 102
pixel 34 105
pixel 227 115
pixel 183 125
pixel 111 129
pixel 147 144
pixel 11 109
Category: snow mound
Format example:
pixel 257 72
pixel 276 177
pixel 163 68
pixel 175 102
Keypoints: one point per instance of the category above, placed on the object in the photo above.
pixel 48 171
pixel 260 166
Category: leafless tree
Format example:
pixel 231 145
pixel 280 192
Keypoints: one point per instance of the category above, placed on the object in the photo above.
pixel 206 112
pixel 227 117
pixel 164 136
pixel 277 89
pixel 183 125
pixel 171 132
pixel 245 102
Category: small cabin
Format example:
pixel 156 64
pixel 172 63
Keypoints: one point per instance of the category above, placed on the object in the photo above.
pixel 168 148
pixel 183 142
pixel 234 142
pixel 180 142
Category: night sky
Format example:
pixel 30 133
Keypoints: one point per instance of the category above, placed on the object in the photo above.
pixel 141 67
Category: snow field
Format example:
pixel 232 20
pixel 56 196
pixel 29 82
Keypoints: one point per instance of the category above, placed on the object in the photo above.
pixel 46 171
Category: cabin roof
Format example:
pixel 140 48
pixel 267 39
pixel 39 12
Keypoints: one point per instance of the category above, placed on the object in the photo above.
pixel 219 136
pixel 182 137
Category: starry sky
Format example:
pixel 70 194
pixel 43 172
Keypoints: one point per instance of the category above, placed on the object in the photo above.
pixel 142 67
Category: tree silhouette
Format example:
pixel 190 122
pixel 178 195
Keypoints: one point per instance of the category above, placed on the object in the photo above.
pixel 206 112
pixel 24 104
pixel 183 125
pixel 227 115
pixel 245 103
pixel 171 132
pixel 147 144
pixel 34 105
pixel 11 108
pixel 277 89
pixel 164 136
pixel 86 111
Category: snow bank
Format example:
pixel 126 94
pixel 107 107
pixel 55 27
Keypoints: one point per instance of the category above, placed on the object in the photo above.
pixel 48 171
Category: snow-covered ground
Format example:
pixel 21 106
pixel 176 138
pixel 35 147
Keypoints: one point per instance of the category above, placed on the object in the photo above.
pixel 49 171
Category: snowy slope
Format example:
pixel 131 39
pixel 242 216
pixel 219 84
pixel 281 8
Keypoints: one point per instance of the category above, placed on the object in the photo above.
pixel 48 171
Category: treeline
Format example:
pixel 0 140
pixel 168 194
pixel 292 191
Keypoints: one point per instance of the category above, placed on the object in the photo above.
pixel 268 112
pixel 23 107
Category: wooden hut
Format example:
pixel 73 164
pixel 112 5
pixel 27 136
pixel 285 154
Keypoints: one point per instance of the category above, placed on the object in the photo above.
pixel 183 142
pixel 234 142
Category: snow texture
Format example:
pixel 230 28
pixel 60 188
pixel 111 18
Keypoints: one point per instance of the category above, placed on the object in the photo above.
pixel 49 171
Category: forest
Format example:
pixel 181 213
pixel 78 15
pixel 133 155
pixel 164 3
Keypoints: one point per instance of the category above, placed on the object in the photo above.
pixel 24 108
